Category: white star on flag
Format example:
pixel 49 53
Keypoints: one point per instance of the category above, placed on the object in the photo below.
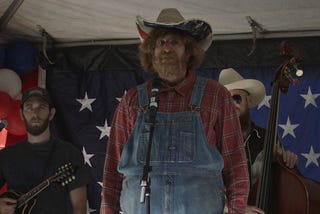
pixel 310 98
pixel 86 157
pixel 265 102
pixel 86 102
pixel 119 98
pixel 105 130
pixel 288 128
pixel 100 183
pixel 311 157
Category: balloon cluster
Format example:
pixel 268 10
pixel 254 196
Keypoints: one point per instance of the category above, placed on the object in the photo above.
pixel 18 72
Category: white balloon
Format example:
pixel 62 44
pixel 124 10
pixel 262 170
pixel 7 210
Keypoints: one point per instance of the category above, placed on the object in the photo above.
pixel 10 82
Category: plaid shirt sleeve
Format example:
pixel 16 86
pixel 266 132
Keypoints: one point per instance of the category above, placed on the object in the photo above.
pixel 122 126
pixel 232 148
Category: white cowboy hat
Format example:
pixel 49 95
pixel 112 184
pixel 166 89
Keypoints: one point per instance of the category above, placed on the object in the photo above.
pixel 171 18
pixel 233 80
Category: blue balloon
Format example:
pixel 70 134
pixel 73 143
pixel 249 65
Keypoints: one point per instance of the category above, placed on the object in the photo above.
pixel 21 56
pixel 2 55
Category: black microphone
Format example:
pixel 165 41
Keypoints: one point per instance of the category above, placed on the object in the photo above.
pixel 3 124
pixel 154 100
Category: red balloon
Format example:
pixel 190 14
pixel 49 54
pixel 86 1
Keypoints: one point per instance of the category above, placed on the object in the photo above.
pixel 4 188
pixel 5 104
pixel 13 139
pixel 29 80
pixel 15 123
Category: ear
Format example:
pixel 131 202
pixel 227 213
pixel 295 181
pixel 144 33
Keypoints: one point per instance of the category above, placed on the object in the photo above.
pixel 52 113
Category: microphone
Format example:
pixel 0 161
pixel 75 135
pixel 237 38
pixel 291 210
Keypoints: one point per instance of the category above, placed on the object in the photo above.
pixel 154 100
pixel 3 124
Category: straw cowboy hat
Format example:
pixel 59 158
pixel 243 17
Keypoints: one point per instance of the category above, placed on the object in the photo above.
pixel 171 18
pixel 233 80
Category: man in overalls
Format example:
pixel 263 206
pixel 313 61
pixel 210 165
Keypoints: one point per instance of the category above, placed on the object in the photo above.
pixel 197 153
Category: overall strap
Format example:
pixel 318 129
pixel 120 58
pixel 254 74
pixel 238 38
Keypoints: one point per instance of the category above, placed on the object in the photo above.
pixel 197 91
pixel 143 95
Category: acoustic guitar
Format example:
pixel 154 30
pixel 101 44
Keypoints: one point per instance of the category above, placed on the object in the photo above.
pixel 26 201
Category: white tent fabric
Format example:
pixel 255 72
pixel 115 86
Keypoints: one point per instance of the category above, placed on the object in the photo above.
pixel 94 21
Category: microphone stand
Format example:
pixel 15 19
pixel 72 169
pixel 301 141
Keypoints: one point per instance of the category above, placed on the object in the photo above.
pixel 145 181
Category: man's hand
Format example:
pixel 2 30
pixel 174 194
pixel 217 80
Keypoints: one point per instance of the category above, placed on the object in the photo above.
pixel 289 159
pixel 253 210
pixel 7 205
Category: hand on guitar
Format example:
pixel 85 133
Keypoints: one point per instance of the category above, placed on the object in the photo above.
pixel 7 205
pixel 253 210
pixel 289 159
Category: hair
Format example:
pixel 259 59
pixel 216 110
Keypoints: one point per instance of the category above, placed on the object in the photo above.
pixel 146 49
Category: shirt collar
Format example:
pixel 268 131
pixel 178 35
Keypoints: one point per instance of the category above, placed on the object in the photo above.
pixel 183 87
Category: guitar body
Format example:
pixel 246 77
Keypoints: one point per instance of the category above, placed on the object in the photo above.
pixel 25 208
pixel 26 202
pixel 294 193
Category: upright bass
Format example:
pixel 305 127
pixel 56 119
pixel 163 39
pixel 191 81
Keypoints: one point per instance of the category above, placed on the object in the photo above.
pixel 281 190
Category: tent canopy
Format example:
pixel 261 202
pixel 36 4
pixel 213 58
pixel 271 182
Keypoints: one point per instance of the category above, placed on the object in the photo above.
pixel 94 21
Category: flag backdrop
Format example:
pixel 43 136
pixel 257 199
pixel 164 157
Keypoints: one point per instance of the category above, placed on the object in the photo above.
pixel 86 100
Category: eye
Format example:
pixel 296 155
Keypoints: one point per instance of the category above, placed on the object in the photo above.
pixel 43 107
pixel 173 42
pixel 161 42
pixel 27 107
pixel 237 98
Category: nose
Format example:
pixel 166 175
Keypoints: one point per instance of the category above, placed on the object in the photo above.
pixel 167 47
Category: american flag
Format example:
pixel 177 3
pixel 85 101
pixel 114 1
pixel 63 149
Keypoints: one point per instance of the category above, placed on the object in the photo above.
pixel 86 101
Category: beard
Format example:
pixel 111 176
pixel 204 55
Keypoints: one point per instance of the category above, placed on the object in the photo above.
pixel 169 65
pixel 36 129
pixel 245 120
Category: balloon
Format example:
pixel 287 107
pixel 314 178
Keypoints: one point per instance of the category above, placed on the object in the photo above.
pixel 10 82
pixel 4 188
pixel 29 80
pixel 15 123
pixel 5 104
pixel 21 56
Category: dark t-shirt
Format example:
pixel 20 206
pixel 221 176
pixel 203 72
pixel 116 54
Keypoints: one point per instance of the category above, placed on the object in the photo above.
pixel 24 165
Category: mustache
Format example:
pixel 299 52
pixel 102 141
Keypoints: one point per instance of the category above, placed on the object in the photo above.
pixel 35 120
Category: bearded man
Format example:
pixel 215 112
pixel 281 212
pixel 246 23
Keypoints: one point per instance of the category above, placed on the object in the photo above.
pixel 24 165
pixel 247 94
pixel 196 150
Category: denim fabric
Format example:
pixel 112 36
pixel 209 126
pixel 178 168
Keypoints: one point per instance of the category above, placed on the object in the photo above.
pixel 186 170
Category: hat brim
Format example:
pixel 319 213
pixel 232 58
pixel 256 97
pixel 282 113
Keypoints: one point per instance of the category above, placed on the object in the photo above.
pixel 198 29
pixel 255 89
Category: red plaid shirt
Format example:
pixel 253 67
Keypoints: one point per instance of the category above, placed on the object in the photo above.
pixel 221 126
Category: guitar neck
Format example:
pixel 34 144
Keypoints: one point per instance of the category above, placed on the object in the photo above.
pixel 23 199
pixel 64 175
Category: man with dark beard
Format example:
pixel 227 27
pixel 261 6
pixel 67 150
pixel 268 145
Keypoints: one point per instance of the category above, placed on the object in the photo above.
pixel 246 94
pixel 28 163
pixel 188 125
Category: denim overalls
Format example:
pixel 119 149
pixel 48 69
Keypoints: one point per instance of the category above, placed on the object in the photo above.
pixel 186 170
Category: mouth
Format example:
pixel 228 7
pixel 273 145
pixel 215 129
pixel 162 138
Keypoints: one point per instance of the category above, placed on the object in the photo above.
pixel 35 122
pixel 168 59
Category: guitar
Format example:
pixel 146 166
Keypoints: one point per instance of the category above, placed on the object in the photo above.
pixel 281 82
pixel 25 202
